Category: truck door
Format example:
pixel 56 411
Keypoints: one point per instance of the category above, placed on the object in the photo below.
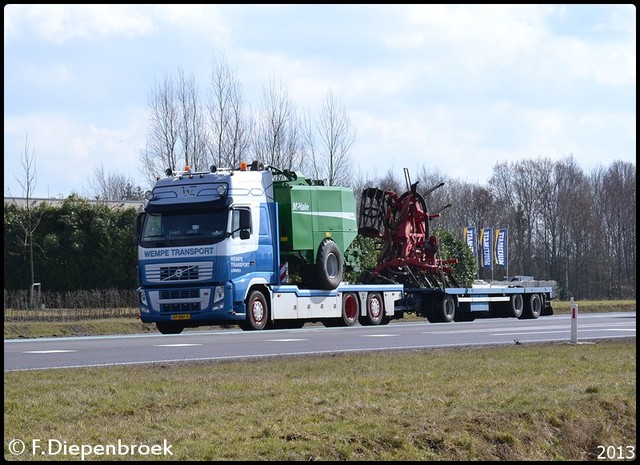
pixel 243 243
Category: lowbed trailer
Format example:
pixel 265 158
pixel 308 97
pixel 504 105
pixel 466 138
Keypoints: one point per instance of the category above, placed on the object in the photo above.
pixel 524 298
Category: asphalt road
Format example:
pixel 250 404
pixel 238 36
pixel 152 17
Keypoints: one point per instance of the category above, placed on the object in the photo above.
pixel 219 345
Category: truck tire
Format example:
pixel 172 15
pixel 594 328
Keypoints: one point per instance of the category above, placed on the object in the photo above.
pixel 533 307
pixel 169 328
pixel 257 312
pixel 516 306
pixel 350 309
pixel 443 311
pixel 375 310
pixel 329 268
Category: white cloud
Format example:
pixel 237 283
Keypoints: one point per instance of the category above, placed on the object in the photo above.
pixel 62 23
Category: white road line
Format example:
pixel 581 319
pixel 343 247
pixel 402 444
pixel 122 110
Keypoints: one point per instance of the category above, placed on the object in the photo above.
pixel 379 335
pixel 47 351
pixel 176 345
pixel 286 340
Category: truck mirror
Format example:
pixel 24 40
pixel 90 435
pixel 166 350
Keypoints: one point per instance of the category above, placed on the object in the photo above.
pixel 245 219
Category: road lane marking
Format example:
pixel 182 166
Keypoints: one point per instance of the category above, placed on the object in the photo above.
pixel 176 345
pixel 60 351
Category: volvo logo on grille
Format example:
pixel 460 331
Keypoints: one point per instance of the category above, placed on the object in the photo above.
pixel 178 273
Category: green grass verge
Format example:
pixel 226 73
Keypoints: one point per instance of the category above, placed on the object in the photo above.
pixel 530 402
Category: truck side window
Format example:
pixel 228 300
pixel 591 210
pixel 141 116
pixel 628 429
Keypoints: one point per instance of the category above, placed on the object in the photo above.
pixel 241 223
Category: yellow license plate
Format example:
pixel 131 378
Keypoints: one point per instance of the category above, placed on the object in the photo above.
pixel 181 316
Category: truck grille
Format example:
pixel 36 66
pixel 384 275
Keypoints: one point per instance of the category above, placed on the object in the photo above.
pixel 182 272
pixel 180 294
pixel 180 307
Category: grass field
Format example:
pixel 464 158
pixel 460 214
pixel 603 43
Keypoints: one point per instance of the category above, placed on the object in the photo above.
pixel 536 402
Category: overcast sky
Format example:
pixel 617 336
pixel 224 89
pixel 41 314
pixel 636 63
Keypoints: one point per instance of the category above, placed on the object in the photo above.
pixel 457 87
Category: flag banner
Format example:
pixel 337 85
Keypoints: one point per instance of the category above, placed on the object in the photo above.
pixel 500 248
pixel 470 239
pixel 486 234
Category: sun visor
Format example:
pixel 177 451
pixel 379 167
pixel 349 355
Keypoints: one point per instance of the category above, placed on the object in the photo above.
pixel 160 206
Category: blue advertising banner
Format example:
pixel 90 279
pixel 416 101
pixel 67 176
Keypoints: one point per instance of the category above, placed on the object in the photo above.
pixel 486 242
pixel 470 238
pixel 501 247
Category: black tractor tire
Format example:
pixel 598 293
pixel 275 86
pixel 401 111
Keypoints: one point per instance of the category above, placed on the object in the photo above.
pixel 329 267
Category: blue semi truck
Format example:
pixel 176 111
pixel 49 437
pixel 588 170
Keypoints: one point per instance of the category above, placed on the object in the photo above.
pixel 265 248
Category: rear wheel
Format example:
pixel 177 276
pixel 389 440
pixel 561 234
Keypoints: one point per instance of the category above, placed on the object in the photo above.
pixel 533 308
pixel 516 306
pixel 375 310
pixel 350 309
pixel 443 309
pixel 257 312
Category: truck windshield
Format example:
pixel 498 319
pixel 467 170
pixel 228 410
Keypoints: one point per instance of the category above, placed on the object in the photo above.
pixel 174 228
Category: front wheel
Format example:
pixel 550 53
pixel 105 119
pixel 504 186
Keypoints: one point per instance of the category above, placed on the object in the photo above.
pixel 257 312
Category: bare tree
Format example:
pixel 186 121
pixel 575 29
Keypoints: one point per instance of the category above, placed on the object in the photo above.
pixel 230 139
pixel 278 141
pixel 114 187
pixel 336 136
pixel 615 204
pixel 160 152
pixel 28 184
pixel 177 135
pixel 192 135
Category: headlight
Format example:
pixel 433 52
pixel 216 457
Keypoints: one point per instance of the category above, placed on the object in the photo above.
pixel 218 294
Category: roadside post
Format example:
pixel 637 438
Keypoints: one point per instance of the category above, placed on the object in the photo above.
pixel 574 321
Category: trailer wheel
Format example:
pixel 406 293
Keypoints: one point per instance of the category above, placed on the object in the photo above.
pixel 257 312
pixel 375 310
pixel 516 306
pixel 350 309
pixel 169 328
pixel 444 310
pixel 533 309
pixel 329 265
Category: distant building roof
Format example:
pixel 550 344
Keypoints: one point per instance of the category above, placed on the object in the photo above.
pixel 22 202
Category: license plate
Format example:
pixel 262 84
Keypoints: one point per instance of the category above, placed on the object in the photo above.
pixel 181 316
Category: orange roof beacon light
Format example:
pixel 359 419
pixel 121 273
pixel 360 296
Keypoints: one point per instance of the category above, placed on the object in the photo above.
pixel 243 166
